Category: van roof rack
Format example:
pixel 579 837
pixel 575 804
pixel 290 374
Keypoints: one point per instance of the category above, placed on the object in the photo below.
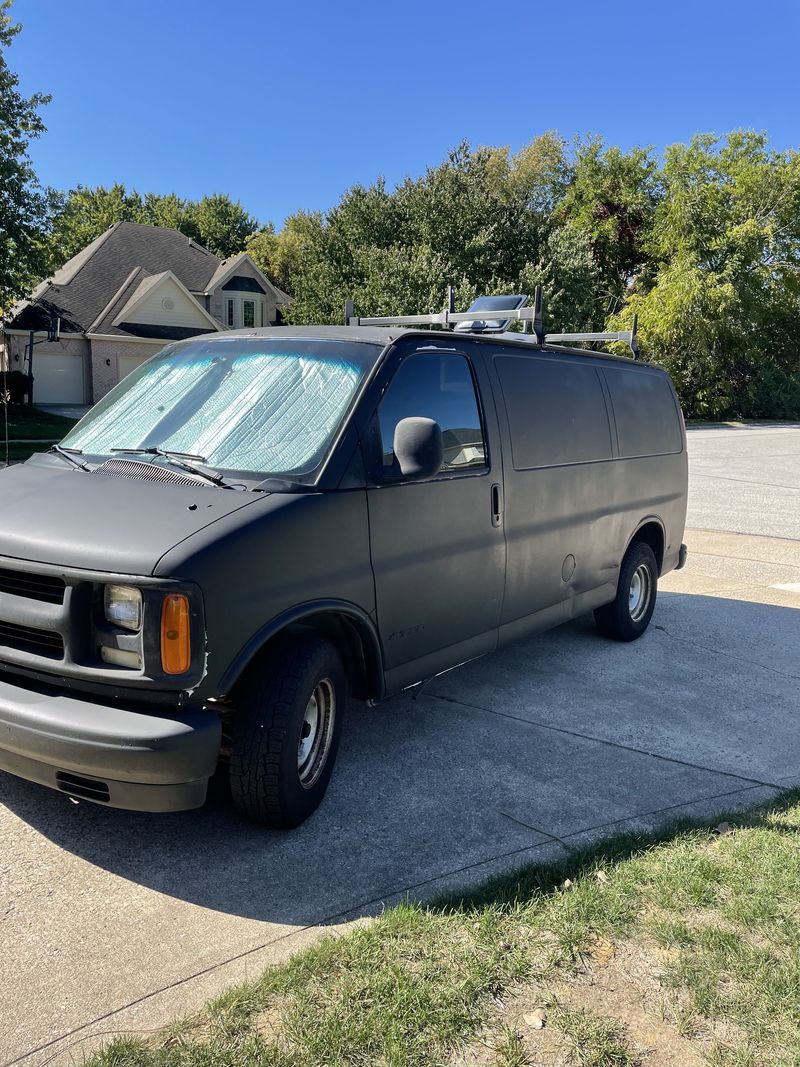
pixel 476 321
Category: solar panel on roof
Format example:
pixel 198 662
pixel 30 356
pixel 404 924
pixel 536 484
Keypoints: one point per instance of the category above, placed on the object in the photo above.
pixel 482 324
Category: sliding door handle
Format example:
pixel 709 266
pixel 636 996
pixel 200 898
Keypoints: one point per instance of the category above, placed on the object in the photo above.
pixel 497 505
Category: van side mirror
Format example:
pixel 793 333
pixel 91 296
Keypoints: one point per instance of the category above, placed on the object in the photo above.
pixel 418 447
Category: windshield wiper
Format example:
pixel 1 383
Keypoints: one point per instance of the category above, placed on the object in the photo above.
pixel 179 459
pixel 66 453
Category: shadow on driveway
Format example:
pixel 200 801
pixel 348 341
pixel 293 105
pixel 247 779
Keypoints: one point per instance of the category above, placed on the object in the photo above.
pixel 553 737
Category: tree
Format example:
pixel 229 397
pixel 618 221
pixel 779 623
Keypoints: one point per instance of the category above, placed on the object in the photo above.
pixel 570 279
pixel 475 221
pixel 611 198
pixel 280 255
pixel 704 247
pixel 169 210
pixel 84 213
pixel 722 309
pixel 223 225
pixel 25 207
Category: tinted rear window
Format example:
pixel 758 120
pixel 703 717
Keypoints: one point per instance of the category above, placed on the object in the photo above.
pixel 556 411
pixel 645 411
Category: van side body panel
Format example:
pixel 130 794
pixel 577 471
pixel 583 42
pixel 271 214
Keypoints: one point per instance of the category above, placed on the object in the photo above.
pixel 572 503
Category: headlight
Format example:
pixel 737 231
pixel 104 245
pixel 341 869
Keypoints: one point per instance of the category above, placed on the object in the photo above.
pixel 123 606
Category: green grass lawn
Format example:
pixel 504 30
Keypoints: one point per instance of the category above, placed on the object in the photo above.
pixel 31 423
pixel 678 949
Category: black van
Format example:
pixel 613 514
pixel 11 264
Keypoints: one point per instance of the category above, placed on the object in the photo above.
pixel 254 525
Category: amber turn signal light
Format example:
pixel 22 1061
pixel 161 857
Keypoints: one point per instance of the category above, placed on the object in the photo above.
pixel 176 652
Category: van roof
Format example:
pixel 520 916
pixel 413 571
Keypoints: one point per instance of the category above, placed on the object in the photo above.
pixel 384 335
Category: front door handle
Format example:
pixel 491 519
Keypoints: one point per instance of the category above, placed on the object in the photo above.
pixel 497 505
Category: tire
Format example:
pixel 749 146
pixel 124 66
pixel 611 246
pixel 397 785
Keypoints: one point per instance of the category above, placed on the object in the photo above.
pixel 286 732
pixel 628 615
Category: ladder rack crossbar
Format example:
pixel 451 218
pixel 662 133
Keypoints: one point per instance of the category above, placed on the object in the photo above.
pixel 533 315
pixel 440 318
pixel 621 335
pixel 443 318
pixel 627 337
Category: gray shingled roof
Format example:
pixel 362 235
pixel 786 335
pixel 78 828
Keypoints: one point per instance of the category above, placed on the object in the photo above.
pixel 106 315
pixel 83 287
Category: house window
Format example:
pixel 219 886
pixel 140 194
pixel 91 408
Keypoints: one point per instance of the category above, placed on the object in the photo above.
pixel 242 311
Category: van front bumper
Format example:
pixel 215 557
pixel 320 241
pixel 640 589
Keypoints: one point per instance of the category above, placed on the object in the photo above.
pixel 111 756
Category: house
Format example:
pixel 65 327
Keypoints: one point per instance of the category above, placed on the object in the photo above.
pixel 120 300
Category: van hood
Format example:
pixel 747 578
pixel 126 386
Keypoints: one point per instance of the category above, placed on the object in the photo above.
pixel 74 518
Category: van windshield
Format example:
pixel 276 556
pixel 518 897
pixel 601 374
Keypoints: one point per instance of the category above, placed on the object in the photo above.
pixel 248 405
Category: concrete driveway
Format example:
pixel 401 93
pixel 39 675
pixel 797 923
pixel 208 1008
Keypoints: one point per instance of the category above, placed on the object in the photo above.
pixel 110 920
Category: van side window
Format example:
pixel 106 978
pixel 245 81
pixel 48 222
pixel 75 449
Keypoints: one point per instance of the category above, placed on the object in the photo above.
pixel 438 387
pixel 645 412
pixel 556 411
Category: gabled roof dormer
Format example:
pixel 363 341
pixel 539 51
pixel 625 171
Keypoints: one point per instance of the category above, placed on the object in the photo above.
pixel 230 269
pixel 153 305
pixel 162 299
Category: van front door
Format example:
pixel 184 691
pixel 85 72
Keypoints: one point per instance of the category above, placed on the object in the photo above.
pixel 438 546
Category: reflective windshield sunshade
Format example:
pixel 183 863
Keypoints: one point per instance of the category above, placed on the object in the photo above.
pixel 270 406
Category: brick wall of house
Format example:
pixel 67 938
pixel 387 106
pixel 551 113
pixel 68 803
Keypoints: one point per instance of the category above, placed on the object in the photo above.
pixel 106 359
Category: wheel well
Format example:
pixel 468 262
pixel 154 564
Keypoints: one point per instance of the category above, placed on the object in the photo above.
pixel 357 648
pixel 652 534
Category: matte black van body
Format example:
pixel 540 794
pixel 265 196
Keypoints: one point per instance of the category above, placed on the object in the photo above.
pixel 556 462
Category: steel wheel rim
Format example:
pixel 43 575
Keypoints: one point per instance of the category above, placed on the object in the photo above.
pixel 639 592
pixel 316 733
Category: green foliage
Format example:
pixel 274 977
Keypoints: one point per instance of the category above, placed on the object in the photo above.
pixel 705 248
pixel 280 255
pixel 83 214
pixel 720 308
pixel 611 199
pixel 24 206
pixel 480 221
pixel 222 225
pixel 570 278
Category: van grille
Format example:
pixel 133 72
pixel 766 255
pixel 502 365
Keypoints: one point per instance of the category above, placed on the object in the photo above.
pixel 78 786
pixel 147 472
pixel 32 586
pixel 26 639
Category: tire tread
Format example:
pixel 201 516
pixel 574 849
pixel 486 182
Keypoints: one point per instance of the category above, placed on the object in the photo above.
pixel 613 620
pixel 267 702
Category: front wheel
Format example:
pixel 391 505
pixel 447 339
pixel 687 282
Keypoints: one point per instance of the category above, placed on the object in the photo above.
pixel 286 732
pixel 629 613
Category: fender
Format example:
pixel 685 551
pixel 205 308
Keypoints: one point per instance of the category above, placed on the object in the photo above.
pixel 645 522
pixel 361 620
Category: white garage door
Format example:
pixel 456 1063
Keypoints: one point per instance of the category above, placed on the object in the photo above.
pixel 57 379
pixel 128 363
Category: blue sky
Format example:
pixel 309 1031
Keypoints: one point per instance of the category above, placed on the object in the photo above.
pixel 285 105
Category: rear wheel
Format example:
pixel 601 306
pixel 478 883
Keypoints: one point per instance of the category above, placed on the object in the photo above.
pixel 629 613
pixel 286 732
